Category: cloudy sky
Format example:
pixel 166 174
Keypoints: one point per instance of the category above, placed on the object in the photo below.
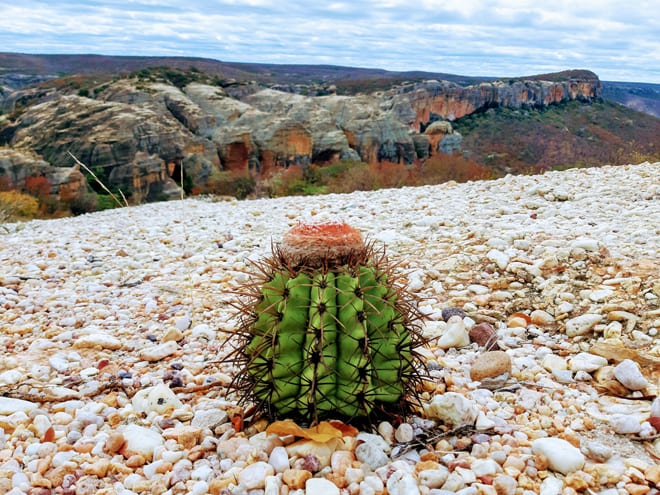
pixel 619 40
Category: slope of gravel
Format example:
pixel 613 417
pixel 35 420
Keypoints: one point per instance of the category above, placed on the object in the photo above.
pixel 113 324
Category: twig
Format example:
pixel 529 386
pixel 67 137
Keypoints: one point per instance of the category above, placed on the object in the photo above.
pixel 103 186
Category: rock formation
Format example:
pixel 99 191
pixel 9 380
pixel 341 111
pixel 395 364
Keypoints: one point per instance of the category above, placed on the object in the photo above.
pixel 139 135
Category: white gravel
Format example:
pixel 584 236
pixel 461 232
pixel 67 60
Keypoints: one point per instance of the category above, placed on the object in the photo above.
pixel 99 311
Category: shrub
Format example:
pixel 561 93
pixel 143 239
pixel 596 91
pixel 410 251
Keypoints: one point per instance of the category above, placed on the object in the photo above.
pixel 84 203
pixel 15 205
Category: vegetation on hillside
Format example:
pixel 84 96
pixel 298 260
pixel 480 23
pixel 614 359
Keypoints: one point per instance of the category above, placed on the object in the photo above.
pixel 561 136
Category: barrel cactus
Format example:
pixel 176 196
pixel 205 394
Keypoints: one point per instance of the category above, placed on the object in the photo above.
pixel 328 330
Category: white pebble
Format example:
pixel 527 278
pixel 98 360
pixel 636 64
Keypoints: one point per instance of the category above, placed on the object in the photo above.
pixel 160 351
pixel 200 488
pixel 585 361
pixel 551 486
pixel 321 486
pixel 485 467
pixel 404 433
pixel 625 424
pixel 433 478
pixel 401 483
pixel 628 373
pixel 453 409
pixel 455 335
pixel 582 324
pixel 279 459
pixel 561 455
pixel 141 440
pixel 203 331
pixel 10 377
pixel 253 477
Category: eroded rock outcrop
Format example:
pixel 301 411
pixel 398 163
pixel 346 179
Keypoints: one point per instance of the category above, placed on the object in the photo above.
pixel 140 135
pixel 17 168
pixel 423 103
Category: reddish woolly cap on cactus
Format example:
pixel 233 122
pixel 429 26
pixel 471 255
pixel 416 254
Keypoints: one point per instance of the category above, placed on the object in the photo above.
pixel 328 330
pixel 312 244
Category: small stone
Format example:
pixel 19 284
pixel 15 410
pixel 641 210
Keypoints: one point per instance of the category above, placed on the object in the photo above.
pixel 172 334
pixel 652 474
pixel 553 363
pixel 272 485
pixel 629 375
pixel 158 352
pixel 585 361
pixel 484 335
pixel 186 436
pixel 581 325
pixel 433 478
pixel 114 442
pixel 541 318
pixel 499 258
pixel 10 406
pixel 596 451
pixel 455 335
pixel 209 418
pixel 490 364
pixel 401 483
pixel 203 331
pixel 371 454
pixel 386 430
pixel 321 486
pixel 449 312
pixel 404 433
pixel 485 467
pixel 253 477
pixel 10 377
pixel 600 295
pixel 98 340
pixel 562 456
pixel 140 440
pixel 321 450
pixel 505 484
pixel 159 399
pixel 551 486
pixel 279 459
pixel 340 461
pixel 453 409
pixel 295 479
pixel 625 424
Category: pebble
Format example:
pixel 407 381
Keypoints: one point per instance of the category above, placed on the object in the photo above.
pixel 209 418
pixel 98 340
pixel 585 361
pixel 625 424
pixel 491 364
pixel 253 477
pixel 158 352
pixel 455 335
pixel 370 453
pixel 140 441
pixel 562 456
pixel 404 433
pixel 580 325
pixel 401 483
pixel 10 406
pixel 453 409
pixel 484 335
pixel 630 376
pixel 551 486
pixel 321 486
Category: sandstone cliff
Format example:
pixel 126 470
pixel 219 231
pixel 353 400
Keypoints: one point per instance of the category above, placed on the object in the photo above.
pixel 139 134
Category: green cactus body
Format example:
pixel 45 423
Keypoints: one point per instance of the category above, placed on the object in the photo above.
pixel 333 340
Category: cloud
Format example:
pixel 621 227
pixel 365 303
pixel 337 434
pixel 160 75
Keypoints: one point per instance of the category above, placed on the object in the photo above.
pixel 471 37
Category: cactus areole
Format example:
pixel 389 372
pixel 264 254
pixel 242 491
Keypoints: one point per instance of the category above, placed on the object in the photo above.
pixel 328 330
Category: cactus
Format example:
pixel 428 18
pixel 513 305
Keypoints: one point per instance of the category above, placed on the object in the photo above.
pixel 328 330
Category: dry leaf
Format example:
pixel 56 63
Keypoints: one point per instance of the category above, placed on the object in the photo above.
pixel 323 432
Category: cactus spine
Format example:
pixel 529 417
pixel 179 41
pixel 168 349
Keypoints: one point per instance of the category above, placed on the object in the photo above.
pixel 328 330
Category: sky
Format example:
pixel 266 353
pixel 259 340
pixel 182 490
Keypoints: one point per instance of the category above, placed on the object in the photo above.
pixel 618 40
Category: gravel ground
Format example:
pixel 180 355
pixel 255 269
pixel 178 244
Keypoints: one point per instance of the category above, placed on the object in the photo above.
pixel 114 323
